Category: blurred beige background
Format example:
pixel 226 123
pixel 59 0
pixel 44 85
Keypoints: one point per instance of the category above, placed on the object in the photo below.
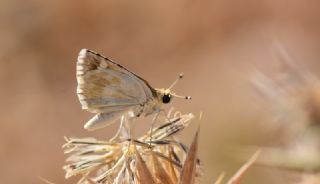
pixel 217 44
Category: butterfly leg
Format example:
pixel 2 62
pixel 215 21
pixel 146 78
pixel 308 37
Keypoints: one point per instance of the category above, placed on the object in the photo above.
pixel 124 130
pixel 154 120
pixel 151 128
pixel 128 119
pixel 166 117
pixel 120 129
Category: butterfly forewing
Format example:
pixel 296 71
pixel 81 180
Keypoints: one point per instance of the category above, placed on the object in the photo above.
pixel 104 83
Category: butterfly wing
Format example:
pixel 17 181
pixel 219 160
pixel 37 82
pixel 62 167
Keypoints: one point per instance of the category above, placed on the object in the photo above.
pixel 106 87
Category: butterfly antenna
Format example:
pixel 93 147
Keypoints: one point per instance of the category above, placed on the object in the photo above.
pixel 176 81
pixel 179 96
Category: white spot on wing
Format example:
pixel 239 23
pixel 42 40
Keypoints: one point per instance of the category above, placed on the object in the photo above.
pixel 81 97
pixel 79 90
pixel 80 67
pixel 84 105
pixel 83 52
pixel 82 55
pixel 80 80
pixel 81 60
pixel 103 64
pixel 80 72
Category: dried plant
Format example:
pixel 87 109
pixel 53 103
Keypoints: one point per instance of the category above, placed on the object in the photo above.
pixel 289 94
pixel 293 97
pixel 238 176
pixel 163 159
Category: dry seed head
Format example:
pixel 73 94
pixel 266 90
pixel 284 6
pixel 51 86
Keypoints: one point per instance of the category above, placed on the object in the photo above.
pixel 132 160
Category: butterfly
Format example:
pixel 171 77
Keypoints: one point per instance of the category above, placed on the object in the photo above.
pixel 110 90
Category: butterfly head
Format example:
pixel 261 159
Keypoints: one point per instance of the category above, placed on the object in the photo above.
pixel 166 95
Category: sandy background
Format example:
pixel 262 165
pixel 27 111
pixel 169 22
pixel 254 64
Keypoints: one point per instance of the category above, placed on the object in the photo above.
pixel 217 44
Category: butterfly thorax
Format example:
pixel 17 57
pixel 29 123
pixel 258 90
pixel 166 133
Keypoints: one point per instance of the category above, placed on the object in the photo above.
pixel 161 96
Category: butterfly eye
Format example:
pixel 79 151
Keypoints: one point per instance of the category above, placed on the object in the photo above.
pixel 166 98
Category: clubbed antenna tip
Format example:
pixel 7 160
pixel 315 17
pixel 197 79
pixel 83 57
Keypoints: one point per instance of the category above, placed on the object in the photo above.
pixel 176 81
